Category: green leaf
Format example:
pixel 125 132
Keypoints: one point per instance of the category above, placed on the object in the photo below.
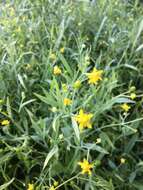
pixel 93 146
pixel 76 130
pixel 21 81
pixel 123 100
pixel 132 176
pixel 139 48
pixel 50 155
pixel 4 186
pixel 105 138
pixel 9 108
pixel 25 103
pixel 138 186
pixel 103 184
pixel 55 123
pixel 66 65
pixel 48 99
pixel 138 33
pixel 131 67
pixel 131 143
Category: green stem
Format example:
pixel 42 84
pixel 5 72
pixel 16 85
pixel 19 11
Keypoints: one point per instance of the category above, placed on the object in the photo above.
pixel 68 180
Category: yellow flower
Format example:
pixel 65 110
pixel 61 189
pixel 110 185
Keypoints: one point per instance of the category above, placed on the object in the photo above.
pixel 84 119
pixel 67 101
pixel 53 56
pixel 1 101
pixel 122 160
pixel 5 122
pixel 77 84
pixel 86 166
pixel 133 96
pixel 30 186
pixel 64 87
pixel 94 76
pixel 56 183
pixel 57 70
pixel 62 50
pixel 52 188
pixel 125 107
pixel 18 30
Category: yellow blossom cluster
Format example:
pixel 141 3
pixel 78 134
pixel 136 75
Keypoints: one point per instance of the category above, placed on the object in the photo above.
pixel 83 119
pixel 5 122
pixel 30 186
pixel 86 166
pixel 94 76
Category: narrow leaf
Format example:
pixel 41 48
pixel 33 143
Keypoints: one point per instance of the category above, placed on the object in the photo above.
pixel 4 186
pixel 76 129
pixel 50 155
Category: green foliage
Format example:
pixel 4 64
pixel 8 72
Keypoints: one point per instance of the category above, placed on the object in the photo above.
pixel 43 142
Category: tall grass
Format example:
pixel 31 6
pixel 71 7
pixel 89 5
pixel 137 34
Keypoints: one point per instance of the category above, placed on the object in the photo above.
pixel 42 142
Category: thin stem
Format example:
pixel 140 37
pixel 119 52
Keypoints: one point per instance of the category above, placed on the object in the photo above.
pixel 68 181
pixel 118 124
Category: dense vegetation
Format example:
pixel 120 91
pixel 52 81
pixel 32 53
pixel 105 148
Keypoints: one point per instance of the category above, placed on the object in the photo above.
pixel 71 107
